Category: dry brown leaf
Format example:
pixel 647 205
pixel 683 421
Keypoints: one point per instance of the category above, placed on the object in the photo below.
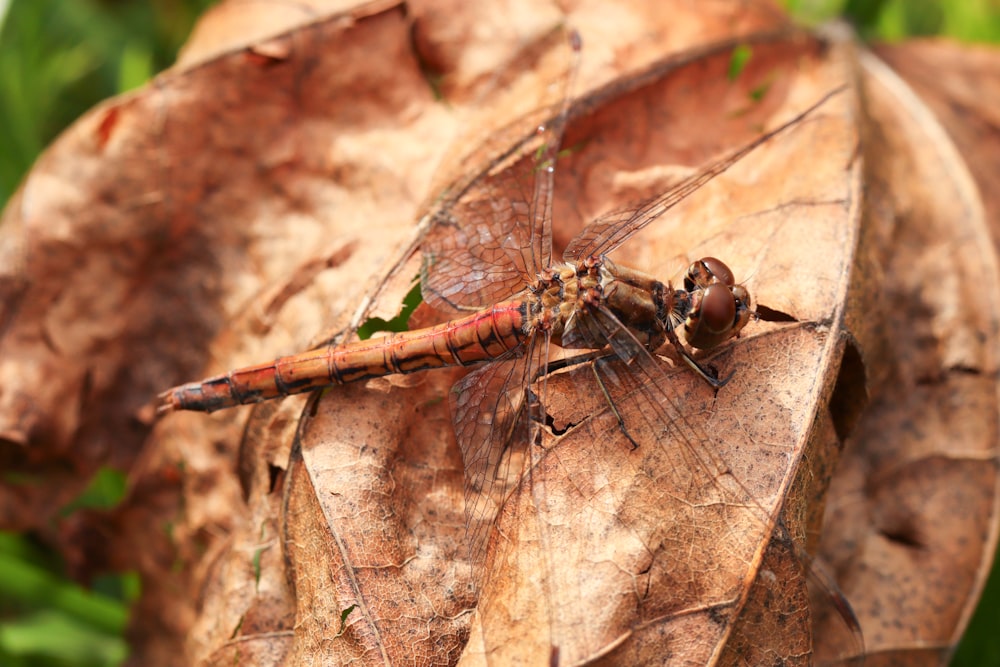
pixel 961 87
pixel 193 226
pixel 959 84
pixel 913 514
pixel 405 576
pixel 225 214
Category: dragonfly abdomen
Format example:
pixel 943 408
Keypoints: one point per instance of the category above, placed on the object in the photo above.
pixel 484 335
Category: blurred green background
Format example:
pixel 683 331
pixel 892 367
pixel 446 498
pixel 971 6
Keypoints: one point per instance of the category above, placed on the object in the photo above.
pixel 60 57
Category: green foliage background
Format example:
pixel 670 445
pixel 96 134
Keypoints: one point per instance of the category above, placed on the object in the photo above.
pixel 60 57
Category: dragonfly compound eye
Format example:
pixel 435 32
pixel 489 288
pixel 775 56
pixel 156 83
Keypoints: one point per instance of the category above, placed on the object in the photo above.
pixel 744 309
pixel 708 271
pixel 720 311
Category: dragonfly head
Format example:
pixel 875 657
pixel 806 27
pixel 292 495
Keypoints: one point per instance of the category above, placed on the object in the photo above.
pixel 719 307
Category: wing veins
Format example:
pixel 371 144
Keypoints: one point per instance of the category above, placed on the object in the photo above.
pixel 612 229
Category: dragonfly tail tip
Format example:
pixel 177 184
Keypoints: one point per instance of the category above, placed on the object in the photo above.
pixel 167 403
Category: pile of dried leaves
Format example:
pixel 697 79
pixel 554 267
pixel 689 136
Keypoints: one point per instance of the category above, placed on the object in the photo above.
pixel 244 203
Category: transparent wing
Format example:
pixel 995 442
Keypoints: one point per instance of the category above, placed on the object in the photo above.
pixel 614 228
pixel 493 426
pixel 478 250
pixel 705 496
pixel 491 235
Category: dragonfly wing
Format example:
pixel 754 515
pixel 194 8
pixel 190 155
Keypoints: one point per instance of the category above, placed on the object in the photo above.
pixel 492 234
pixel 490 243
pixel 615 227
pixel 477 251
pixel 723 520
pixel 694 469
pixel 493 426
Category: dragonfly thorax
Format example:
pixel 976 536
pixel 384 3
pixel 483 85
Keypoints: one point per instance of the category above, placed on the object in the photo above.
pixel 569 299
pixel 555 296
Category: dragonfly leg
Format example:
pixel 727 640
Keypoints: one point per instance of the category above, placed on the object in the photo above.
pixel 611 403
pixel 536 413
pixel 709 375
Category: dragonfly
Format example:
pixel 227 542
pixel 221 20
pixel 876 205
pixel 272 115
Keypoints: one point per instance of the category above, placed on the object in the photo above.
pixel 488 257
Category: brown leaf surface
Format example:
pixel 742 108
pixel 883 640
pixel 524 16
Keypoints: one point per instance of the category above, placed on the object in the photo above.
pixel 913 512
pixel 224 215
pixel 959 84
